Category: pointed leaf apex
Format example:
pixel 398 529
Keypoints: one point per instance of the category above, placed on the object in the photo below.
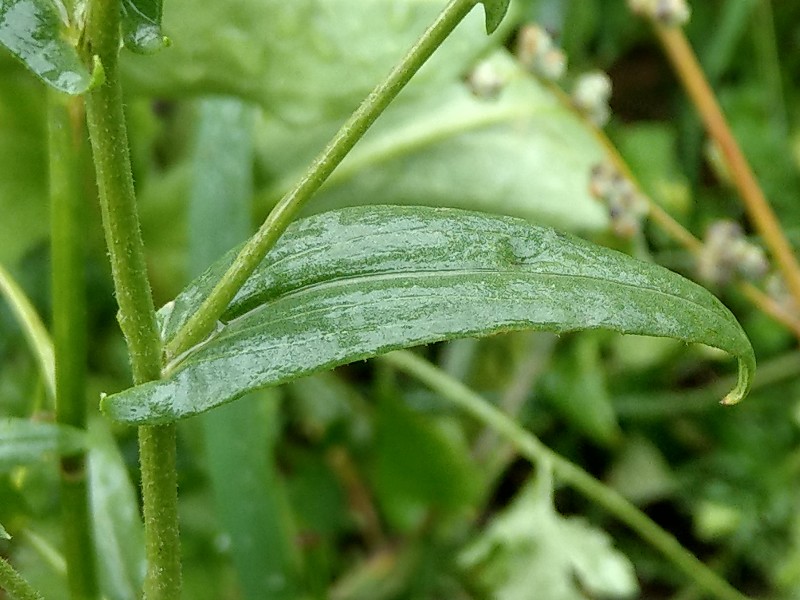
pixel 495 11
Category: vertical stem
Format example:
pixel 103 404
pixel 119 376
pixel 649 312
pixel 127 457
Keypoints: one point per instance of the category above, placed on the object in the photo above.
pixel 137 314
pixel 685 64
pixel 202 322
pixel 69 333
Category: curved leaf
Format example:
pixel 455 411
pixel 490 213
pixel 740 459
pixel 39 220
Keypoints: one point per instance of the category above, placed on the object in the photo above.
pixel 32 31
pixel 350 284
pixel 141 26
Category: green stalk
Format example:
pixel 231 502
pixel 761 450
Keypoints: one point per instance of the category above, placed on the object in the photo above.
pixel 69 335
pixel 137 314
pixel 203 321
pixel 14 584
pixel 530 447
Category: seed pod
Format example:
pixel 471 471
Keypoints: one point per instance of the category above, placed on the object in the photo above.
pixel 591 94
pixel 538 53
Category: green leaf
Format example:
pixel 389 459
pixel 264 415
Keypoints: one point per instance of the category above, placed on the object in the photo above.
pixel 531 547
pixel 3 533
pixel 33 31
pixel 495 11
pixel 350 284
pixel 141 26
pixel 451 148
pixel 303 60
pixel 24 442
pixel 119 533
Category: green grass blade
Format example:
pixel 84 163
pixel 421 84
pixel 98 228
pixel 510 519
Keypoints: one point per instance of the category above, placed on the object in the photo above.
pixel 351 284
pixel 38 339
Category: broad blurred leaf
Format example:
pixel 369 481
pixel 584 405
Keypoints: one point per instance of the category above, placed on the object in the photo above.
pixel 25 442
pixel 495 11
pixel 33 31
pixel 141 25
pixel 119 534
pixel 354 283
pixel 531 547
pixel 23 163
pixel 417 468
pixel 522 154
pixel 580 392
pixel 302 60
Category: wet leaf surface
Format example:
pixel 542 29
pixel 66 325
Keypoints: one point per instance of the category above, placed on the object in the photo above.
pixel 350 284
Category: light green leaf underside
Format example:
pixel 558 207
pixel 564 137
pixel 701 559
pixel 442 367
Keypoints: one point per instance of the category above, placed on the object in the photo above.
pixel 32 30
pixel 303 60
pixel 3 533
pixel 522 154
pixel 495 11
pixel 24 442
pixel 350 284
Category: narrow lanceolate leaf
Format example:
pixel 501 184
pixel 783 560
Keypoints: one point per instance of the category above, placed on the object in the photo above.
pixel 141 26
pixel 24 442
pixel 495 11
pixel 33 31
pixel 350 284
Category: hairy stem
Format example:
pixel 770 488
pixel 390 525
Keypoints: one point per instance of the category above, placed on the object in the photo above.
pixel 14 584
pixel 137 314
pixel 685 64
pixel 202 322
pixel 530 447
pixel 69 334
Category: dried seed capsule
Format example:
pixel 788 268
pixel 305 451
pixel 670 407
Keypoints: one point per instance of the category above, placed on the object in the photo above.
pixel 626 206
pixel 485 81
pixel 591 94
pixel 667 12
pixel 538 53
pixel 727 253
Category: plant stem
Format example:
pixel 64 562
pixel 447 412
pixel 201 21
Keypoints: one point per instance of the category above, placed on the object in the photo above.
pixel 14 584
pixel 530 447
pixel 69 334
pixel 202 322
pixel 137 314
pixel 685 64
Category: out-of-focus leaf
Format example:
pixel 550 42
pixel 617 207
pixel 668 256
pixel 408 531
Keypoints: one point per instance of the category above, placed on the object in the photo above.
pixel 24 442
pixel 3 533
pixel 303 60
pixel 521 154
pixel 495 11
pixel 354 283
pixel 531 547
pixel 641 473
pixel 141 25
pixel 580 392
pixel 260 529
pixel 33 31
pixel 119 534
pixel 37 336
pixel 23 161
pixel 418 468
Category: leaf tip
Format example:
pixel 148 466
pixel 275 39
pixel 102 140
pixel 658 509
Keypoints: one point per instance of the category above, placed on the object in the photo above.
pixel 495 10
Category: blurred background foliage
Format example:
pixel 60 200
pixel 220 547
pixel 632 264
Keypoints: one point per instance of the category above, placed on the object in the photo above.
pixel 359 483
